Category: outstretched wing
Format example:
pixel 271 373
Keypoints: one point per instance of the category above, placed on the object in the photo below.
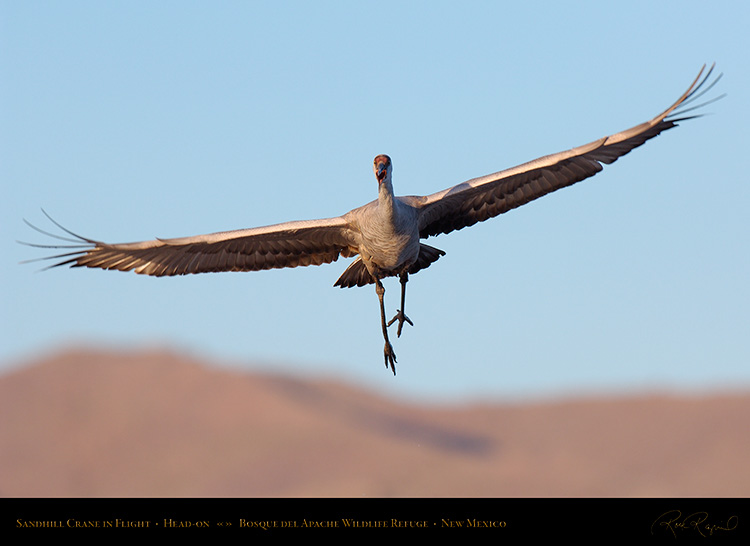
pixel 486 197
pixel 292 244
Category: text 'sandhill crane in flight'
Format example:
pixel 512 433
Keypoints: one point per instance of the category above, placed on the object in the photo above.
pixel 384 234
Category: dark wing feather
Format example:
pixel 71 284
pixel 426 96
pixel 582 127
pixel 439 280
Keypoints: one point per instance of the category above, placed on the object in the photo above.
pixel 291 244
pixel 358 275
pixel 486 197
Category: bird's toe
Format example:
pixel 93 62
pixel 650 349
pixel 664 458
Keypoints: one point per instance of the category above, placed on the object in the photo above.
pixel 401 318
pixel 390 357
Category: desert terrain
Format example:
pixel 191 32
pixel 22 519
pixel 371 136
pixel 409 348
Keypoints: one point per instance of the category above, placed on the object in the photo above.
pixel 87 423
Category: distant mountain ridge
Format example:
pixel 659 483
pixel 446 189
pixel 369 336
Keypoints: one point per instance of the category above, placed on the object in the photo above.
pixel 153 423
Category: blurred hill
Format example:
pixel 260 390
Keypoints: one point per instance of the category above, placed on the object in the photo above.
pixel 88 423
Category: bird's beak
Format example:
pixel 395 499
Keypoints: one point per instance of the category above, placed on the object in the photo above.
pixel 382 170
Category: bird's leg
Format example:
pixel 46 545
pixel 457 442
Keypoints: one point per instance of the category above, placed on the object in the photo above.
pixel 389 355
pixel 400 316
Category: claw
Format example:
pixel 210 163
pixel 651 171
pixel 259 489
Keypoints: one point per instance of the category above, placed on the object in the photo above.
pixel 401 319
pixel 390 357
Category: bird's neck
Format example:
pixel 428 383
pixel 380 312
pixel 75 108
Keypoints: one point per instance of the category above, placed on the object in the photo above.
pixel 385 197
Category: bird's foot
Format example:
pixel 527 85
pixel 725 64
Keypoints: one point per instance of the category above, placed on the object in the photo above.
pixel 390 357
pixel 401 317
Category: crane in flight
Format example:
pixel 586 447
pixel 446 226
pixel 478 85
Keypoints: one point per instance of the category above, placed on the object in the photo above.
pixel 384 234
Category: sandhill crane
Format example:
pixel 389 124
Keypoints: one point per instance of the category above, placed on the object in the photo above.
pixel 385 233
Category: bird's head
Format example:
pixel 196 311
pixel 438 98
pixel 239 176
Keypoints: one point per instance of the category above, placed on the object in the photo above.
pixel 382 167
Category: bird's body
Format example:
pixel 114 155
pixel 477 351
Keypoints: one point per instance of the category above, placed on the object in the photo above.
pixel 388 238
pixel 384 234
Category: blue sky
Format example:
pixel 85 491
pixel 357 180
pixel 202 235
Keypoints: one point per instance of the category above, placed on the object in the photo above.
pixel 132 120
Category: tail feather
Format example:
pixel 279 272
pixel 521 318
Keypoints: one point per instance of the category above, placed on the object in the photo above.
pixel 427 255
pixel 357 275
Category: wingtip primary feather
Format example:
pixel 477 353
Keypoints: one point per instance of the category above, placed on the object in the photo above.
pixel 80 245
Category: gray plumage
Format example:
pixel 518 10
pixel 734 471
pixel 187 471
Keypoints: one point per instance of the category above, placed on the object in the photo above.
pixel 384 234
